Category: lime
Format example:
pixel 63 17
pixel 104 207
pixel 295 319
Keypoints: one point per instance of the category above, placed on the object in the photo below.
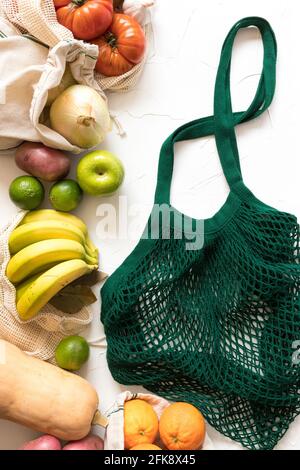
pixel 65 195
pixel 27 192
pixel 72 352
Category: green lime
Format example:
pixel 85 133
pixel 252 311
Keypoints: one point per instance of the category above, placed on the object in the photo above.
pixel 72 352
pixel 27 192
pixel 65 195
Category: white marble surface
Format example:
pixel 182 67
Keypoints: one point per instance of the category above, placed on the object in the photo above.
pixel 177 86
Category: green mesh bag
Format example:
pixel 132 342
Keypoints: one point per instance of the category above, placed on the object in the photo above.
pixel 215 326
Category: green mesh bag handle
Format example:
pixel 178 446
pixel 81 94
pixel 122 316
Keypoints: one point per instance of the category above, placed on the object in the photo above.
pixel 217 325
pixel 224 121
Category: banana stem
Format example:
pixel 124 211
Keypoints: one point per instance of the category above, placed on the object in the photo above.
pixel 92 261
pixel 91 253
pixel 91 250
pixel 91 245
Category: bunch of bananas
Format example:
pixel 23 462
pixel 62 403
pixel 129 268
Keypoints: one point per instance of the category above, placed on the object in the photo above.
pixel 49 250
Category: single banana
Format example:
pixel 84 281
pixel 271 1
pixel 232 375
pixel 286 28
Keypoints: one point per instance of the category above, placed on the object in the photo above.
pixel 46 286
pixel 34 232
pixel 42 255
pixel 22 288
pixel 50 214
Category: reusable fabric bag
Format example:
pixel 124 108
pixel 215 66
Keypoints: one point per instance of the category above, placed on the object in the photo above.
pixel 215 326
pixel 29 69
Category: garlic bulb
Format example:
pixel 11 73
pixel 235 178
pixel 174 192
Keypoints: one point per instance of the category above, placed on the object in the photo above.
pixel 137 9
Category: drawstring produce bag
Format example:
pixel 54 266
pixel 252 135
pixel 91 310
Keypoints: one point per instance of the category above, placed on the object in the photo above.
pixel 30 71
pixel 38 18
pixel 39 336
pixel 114 436
pixel 214 326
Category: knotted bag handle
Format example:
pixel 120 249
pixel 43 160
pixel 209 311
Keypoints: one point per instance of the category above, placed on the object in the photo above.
pixel 222 124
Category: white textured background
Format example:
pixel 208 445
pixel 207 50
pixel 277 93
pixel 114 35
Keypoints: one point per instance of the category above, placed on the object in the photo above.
pixel 177 86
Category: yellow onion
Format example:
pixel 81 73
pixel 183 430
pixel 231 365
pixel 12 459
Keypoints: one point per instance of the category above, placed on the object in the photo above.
pixel 81 116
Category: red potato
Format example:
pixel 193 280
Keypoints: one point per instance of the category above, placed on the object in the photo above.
pixel 42 443
pixel 88 443
pixel 42 162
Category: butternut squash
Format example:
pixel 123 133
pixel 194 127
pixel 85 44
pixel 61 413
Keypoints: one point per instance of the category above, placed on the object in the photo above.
pixel 44 397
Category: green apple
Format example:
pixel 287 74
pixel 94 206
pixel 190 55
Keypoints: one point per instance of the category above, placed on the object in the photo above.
pixel 100 173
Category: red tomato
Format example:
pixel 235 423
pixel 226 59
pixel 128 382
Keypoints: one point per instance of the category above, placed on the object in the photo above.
pixel 122 47
pixel 61 3
pixel 87 19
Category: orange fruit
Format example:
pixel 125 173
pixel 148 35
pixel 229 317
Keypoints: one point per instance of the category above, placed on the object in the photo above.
pixel 146 447
pixel 140 423
pixel 182 427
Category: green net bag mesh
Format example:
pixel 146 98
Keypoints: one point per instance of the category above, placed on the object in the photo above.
pixel 215 326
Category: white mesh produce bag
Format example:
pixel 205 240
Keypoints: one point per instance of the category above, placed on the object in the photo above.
pixel 38 18
pixel 40 335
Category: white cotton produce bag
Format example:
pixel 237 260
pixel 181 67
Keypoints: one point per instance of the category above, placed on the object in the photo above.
pixel 28 70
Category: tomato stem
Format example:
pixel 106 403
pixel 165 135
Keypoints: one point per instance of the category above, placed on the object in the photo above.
pixel 118 5
pixel 78 3
pixel 111 39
